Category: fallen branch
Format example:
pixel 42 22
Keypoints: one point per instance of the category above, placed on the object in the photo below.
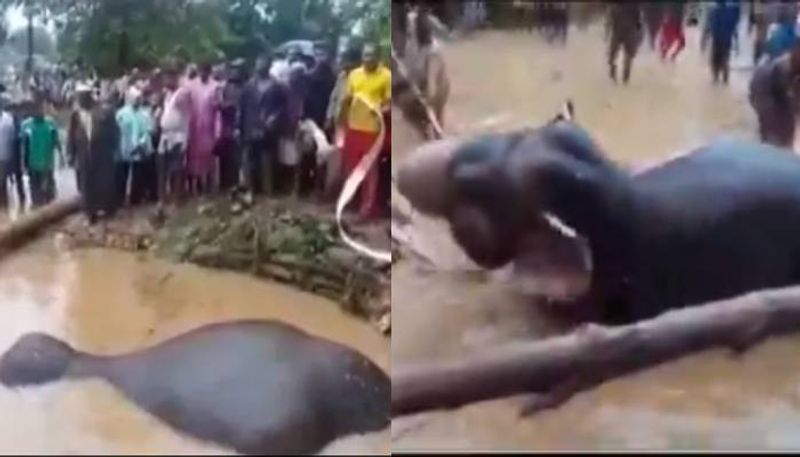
pixel 29 225
pixel 556 369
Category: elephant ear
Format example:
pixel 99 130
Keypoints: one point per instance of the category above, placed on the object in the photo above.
pixel 567 112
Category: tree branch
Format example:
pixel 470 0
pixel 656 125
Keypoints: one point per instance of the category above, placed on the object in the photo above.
pixel 560 367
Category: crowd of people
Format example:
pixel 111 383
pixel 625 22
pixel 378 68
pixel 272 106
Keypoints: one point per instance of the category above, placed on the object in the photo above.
pixel 662 23
pixel 773 26
pixel 772 23
pixel 183 130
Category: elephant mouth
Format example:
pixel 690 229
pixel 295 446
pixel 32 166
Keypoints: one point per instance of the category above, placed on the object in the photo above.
pixel 553 262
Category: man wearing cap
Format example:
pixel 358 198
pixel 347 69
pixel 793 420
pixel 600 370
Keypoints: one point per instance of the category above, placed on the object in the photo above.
pixel 92 146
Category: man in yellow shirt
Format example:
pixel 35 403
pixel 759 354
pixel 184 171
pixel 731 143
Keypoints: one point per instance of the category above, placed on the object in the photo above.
pixel 372 81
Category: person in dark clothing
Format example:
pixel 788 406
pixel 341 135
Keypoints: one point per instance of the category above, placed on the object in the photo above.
pixel 653 13
pixel 8 140
pixel 399 26
pixel 321 81
pixel 297 176
pixel 92 144
pixel 773 90
pixel 385 168
pixel 228 150
pixel 720 28
pixel 758 25
pixel 79 129
pixel 624 33
pixel 263 116
pixel 16 172
pixel 144 185
pixel 155 105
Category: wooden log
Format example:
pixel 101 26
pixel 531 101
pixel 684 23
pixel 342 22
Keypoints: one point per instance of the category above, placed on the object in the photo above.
pixel 557 368
pixel 31 224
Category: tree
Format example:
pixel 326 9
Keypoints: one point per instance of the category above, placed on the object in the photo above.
pixel 43 43
pixel 114 35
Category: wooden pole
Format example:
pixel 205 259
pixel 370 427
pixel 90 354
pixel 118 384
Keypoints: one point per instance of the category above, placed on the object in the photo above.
pixel 29 225
pixel 555 369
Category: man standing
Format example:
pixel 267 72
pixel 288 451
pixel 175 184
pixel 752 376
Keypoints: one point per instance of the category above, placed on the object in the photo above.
pixel 174 120
pixel 264 114
pixel 79 133
pixel 672 30
pixel 653 15
pixel 349 62
pixel 370 83
pixel 783 36
pixel 228 145
pixel 321 81
pixel 8 140
pixel 202 130
pixel 624 32
pixel 759 23
pixel 428 70
pixel 16 172
pixel 92 145
pixel 134 145
pixel 293 171
pixel 721 29
pixel 143 188
pixel 39 142
pixel 774 97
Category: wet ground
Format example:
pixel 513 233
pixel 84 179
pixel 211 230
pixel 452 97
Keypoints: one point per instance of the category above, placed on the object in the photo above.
pixel 508 79
pixel 109 302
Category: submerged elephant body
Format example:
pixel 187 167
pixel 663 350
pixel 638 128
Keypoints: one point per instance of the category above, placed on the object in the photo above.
pixel 716 223
pixel 259 387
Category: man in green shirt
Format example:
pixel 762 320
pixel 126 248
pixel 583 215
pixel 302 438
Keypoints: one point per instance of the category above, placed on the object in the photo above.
pixel 39 135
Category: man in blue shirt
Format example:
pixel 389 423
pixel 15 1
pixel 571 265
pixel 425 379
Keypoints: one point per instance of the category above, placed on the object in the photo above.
pixel 781 40
pixel 721 25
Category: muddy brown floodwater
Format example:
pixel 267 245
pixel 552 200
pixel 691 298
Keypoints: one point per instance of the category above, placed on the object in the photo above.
pixel 110 302
pixel 707 401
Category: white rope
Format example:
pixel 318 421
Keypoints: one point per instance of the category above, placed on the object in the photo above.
pixel 355 180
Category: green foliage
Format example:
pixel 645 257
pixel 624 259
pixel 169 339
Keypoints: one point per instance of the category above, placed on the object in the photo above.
pixel 114 35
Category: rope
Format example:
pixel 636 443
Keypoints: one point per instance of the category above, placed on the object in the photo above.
pixel 437 128
pixel 355 180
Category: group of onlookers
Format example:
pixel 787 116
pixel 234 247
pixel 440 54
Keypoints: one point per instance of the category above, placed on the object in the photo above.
pixel 159 136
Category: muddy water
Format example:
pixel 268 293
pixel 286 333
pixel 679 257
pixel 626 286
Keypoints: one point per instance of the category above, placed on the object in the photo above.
pixel 109 302
pixel 508 79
